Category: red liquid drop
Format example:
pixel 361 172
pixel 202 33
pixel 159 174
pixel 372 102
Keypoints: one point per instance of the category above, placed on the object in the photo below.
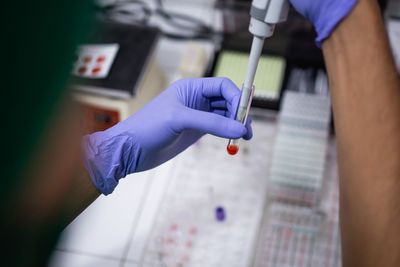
pixel 232 149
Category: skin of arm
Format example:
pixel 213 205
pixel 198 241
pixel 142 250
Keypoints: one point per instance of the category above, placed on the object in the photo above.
pixel 365 92
pixel 54 190
pixel 60 185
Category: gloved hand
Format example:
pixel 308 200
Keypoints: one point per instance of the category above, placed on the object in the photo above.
pixel 324 14
pixel 163 128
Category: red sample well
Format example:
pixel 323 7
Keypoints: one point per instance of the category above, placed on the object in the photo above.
pixel 96 70
pixel 82 70
pixel 232 149
pixel 87 59
pixel 101 59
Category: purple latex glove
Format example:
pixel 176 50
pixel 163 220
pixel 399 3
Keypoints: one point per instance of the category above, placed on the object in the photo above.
pixel 324 14
pixel 163 128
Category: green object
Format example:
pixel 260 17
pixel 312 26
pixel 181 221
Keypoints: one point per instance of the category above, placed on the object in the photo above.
pixel 269 76
pixel 39 43
pixel 39 40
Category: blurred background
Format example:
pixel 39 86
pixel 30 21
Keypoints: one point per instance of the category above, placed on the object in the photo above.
pixel 274 204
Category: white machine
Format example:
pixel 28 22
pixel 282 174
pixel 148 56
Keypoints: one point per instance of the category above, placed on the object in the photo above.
pixel 114 74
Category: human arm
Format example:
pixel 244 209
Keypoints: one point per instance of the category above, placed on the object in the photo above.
pixel 58 186
pixel 365 94
pixel 366 105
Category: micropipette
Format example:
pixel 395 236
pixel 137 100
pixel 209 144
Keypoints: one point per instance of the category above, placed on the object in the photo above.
pixel 265 14
pixel 247 90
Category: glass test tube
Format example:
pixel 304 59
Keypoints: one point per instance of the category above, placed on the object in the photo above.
pixel 241 116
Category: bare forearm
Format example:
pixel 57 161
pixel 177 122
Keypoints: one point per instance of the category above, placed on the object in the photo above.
pixel 82 193
pixel 58 186
pixel 366 104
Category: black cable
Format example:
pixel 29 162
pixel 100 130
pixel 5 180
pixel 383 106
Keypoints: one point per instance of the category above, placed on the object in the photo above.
pixel 116 10
pixel 198 27
pixel 194 28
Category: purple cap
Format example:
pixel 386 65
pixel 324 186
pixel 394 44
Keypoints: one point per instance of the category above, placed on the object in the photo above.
pixel 220 214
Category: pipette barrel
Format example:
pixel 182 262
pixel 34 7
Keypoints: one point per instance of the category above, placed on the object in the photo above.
pixel 241 116
pixel 254 57
pixel 247 89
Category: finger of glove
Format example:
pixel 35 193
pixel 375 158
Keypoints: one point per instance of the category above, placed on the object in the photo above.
pixel 221 104
pixel 249 133
pixel 310 9
pixel 210 123
pixel 300 6
pixel 221 112
pixel 220 87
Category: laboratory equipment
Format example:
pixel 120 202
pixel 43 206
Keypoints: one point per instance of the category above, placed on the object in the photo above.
pixel 113 62
pixel 296 235
pixel 194 61
pixel 288 236
pixel 265 14
pixel 232 64
pixel 103 111
pixel 298 162
pixel 94 61
pixel 114 75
